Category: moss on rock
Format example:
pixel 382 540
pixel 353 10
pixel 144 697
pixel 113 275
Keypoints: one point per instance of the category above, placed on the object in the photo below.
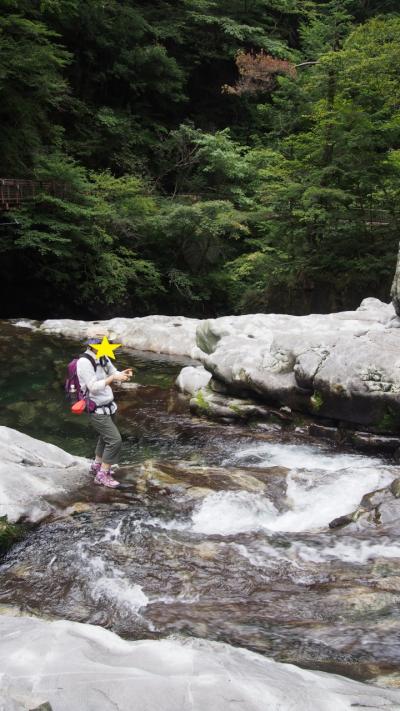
pixel 10 533
pixel 316 401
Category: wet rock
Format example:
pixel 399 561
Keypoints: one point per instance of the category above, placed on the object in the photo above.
pixel 43 707
pixel 9 534
pixel 199 481
pixel 322 432
pixel 77 508
pixel 212 404
pixel 90 667
pixel 373 442
pixel 31 472
pixel 191 379
pixel 379 507
pixel 346 519
pixel 395 488
pixel 218 386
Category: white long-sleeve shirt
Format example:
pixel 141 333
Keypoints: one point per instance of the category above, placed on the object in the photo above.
pixel 94 382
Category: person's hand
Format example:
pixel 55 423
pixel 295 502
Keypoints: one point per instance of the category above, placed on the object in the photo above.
pixel 121 377
pixel 129 372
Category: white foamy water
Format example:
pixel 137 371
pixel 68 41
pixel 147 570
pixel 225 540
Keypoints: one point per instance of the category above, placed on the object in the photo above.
pixel 313 499
pixel 105 581
pixel 297 456
pixel 352 551
pixel 230 512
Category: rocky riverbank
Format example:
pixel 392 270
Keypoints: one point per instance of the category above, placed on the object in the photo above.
pixel 341 367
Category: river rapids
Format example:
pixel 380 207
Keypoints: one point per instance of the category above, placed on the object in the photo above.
pixel 218 531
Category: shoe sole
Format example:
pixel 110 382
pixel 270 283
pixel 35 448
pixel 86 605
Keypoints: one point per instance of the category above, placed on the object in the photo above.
pixel 107 486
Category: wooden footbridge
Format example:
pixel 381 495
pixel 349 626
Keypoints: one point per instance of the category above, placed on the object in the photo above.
pixel 15 192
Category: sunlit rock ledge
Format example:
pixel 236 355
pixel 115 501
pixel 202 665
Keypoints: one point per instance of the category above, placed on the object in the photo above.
pixel 32 472
pixel 68 665
pixel 344 366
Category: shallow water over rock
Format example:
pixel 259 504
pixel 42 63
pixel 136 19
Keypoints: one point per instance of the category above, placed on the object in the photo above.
pixel 218 532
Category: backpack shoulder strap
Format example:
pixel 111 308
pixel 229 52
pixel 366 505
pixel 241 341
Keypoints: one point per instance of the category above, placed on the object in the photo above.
pixel 92 360
pixel 105 363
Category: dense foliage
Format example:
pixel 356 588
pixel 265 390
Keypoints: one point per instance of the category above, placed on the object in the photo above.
pixel 206 156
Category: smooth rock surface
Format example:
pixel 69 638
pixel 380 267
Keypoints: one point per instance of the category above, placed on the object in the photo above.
pixel 173 335
pixel 74 666
pixel 31 471
pixel 343 365
pixel 190 380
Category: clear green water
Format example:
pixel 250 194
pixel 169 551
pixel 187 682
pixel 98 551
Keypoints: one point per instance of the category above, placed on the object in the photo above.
pixel 32 379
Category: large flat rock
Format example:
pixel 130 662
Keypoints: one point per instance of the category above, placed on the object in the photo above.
pixel 75 666
pixel 173 335
pixel 343 365
pixel 32 472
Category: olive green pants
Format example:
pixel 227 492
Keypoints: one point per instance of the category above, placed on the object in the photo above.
pixel 110 441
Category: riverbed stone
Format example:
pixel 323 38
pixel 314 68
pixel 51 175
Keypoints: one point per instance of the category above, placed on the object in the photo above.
pixel 213 404
pixel 32 472
pixel 192 379
pixel 69 665
pixel 378 507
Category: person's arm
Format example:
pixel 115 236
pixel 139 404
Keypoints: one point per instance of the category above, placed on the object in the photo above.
pixel 87 377
pixel 117 375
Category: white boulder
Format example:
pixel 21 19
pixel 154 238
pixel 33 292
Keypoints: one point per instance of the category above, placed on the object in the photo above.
pixel 31 471
pixel 190 380
pixel 75 666
pixel 343 365
pixel 173 335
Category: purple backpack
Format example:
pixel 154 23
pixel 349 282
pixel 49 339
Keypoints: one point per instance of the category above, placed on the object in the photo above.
pixel 72 386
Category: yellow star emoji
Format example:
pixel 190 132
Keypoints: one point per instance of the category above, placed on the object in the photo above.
pixel 105 348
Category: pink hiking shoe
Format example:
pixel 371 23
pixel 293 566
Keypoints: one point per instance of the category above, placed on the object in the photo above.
pixel 95 468
pixel 104 478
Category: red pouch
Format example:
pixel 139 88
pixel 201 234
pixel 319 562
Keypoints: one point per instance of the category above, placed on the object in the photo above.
pixel 79 407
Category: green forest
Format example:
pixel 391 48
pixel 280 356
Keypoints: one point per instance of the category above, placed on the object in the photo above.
pixel 199 157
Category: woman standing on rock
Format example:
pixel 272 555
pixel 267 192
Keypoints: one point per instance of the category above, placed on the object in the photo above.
pixel 95 378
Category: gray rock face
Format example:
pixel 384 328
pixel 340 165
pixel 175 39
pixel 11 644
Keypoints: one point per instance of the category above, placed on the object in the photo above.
pixel 67 665
pixel 31 472
pixel 395 291
pixel 344 366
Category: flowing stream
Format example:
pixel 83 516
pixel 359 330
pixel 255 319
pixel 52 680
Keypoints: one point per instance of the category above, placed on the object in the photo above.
pixel 219 531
